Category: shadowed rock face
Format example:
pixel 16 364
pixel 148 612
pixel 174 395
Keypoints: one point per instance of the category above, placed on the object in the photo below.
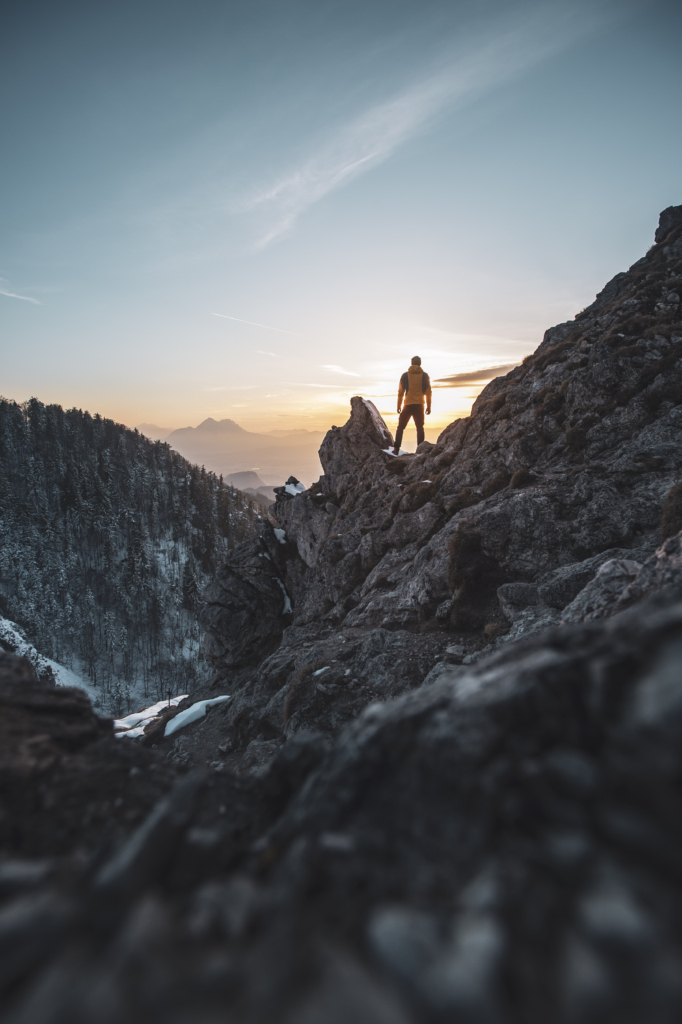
pixel 65 782
pixel 245 605
pixel 476 541
pixel 499 844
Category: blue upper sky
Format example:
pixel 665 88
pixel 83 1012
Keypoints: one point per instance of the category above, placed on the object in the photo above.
pixel 367 180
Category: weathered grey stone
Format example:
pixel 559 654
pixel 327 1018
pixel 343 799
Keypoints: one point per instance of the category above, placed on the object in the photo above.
pixel 662 571
pixel 670 219
pixel 323 685
pixel 514 598
pixel 307 524
pixel 517 820
pixel 247 606
pixel 560 587
pixel 143 857
pixel 346 450
pixel 599 597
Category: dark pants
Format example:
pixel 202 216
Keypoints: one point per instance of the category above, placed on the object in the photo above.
pixel 415 412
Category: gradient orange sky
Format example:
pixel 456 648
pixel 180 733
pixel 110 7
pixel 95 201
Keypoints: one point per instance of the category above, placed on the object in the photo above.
pixel 254 211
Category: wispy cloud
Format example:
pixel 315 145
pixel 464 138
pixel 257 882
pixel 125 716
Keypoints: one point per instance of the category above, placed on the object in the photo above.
pixel 464 380
pixel 340 369
pixel 372 137
pixel 262 353
pixel 13 295
pixel 253 324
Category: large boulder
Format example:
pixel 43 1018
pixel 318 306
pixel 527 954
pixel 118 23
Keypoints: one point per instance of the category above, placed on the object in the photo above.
pixel 345 450
pixel 620 583
pixel 247 605
pixel 670 219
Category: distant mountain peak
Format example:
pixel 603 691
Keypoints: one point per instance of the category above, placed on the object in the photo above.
pixel 153 431
pixel 220 426
pixel 245 478
pixel 295 430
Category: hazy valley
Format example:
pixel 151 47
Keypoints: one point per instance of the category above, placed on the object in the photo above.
pixel 225 448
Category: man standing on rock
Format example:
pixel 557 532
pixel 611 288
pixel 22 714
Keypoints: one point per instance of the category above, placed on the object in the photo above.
pixel 415 386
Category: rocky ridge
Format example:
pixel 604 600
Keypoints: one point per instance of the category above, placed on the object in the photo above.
pixel 387 569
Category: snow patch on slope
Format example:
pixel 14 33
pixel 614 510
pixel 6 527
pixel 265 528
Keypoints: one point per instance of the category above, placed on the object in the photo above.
pixel 12 639
pixel 192 714
pixel 295 489
pixel 135 724
pixel 287 599
pixel 64 676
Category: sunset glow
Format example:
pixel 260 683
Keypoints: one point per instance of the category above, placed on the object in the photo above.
pixel 219 225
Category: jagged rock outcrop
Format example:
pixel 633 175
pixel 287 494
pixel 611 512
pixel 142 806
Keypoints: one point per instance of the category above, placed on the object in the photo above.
pixel 247 606
pixel 620 583
pixel 478 540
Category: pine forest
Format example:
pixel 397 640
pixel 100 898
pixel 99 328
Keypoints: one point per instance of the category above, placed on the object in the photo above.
pixel 106 542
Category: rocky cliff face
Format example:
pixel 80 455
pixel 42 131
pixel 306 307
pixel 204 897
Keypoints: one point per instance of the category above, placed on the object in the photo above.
pixel 387 569
pixel 499 844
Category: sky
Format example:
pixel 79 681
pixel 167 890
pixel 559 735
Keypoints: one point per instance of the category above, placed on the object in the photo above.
pixel 254 210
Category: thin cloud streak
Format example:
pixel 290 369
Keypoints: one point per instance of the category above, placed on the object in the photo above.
pixel 463 380
pixel 24 298
pixel 339 369
pixel 370 139
pixel 264 326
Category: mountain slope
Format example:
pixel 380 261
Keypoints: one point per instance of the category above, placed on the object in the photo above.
pixel 106 539
pixel 153 432
pixel 566 456
pixel 394 565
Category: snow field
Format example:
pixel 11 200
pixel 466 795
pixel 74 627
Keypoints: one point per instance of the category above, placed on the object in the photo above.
pixel 135 724
pixel 192 714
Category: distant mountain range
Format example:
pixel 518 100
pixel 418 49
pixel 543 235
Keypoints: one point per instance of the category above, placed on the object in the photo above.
pixel 153 432
pixel 222 446
pixel 250 483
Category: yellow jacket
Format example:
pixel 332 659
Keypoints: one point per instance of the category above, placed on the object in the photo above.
pixel 415 386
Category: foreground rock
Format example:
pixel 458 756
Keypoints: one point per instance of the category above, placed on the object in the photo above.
pixel 65 783
pixel 500 846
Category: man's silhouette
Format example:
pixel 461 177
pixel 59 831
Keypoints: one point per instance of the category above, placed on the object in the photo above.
pixel 415 387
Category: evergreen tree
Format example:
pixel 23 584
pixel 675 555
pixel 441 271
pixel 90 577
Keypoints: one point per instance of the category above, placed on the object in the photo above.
pixel 106 541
